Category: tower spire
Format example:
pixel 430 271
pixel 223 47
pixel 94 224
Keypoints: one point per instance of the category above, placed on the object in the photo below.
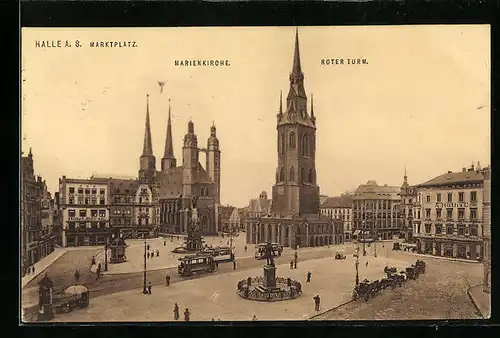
pixel 148 146
pixel 281 102
pixel 169 147
pixel 296 70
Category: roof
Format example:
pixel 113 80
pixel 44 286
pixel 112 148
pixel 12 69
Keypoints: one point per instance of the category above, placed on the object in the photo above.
pixel 473 176
pixel 344 201
pixel 123 186
pixel 225 210
pixel 371 190
pixel 259 205
pixel 169 182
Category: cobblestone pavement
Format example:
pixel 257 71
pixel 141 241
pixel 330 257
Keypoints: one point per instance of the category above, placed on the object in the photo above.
pixel 215 297
pixel 441 293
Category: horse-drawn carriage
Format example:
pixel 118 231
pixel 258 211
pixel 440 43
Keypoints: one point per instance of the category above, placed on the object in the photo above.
pixel 340 255
pixel 411 272
pixel 366 289
pixel 73 296
pixel 420 265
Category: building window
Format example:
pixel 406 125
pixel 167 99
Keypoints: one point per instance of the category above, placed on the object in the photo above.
pixel 282 144
pixel 449 230
pixel 450 197
pixel 282 175
pixel 460 196
pixel 439 229
pixel 94 191
pixel 71 213
pixel 102 201
pixel 93 213
pixel 80 190
pixel 71 200
pixel 461 230
pixel 438 213
pixel 473 231
pixel 461 213
pixel 71 190
pixel 473 213
pixel 302 175
pixel 418 214
pixel 473 196
pixel 292 174
pixel 80 200
pixel 101 191
pixel 86 200
pixel 427 213
pixel 428 198
pixel 310 176
pixel 305 145
pixel 427 228
pixel 83 213
pixel 292 140
pixel 87 191
pixel 438 197
pixel 71 225
pixel 449 213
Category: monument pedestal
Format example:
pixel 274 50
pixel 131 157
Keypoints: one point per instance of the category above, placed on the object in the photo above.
pixel 269 276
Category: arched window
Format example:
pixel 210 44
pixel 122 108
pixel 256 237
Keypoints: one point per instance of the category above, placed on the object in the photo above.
pixel 282 175
pixel 282 143
pixel 310 176
pixel 302 175
pixel 292 174
pixel 292 140
pixel 305 145
pixel 277 177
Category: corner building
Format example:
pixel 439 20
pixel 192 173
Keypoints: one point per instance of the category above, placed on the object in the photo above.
pixel 295 218
pixel 451 223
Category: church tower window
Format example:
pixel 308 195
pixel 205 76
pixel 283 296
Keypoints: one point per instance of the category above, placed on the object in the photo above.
pixel 310 176
pixel 292 140
pixel 292 174
pixel 302 175
pixel 282 144
pixel 305 145
pixel 282 175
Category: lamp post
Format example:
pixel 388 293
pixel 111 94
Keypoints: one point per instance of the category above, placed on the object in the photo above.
pixel 357 264
pixel 106 252
pixel 375 245
pixel 144 290
pixel 364 239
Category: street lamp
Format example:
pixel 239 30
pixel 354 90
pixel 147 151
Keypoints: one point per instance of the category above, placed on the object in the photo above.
pixel 364 239
pixel 375 244
pixel 144 290
pixel 357 264
pixel 106 252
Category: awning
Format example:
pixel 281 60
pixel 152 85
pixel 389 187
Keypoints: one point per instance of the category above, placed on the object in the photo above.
pixel 356 233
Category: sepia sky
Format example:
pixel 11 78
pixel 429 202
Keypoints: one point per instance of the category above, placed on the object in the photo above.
pixel 423 100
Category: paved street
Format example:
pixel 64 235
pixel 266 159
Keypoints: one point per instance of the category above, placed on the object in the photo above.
pixel 441 293
pixel 214 296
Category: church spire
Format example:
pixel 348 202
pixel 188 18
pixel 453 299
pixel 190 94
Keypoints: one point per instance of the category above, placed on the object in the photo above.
pixel 281 102
pixel 148 146
pixel 313 118
pixel 169 147
pixel 296 70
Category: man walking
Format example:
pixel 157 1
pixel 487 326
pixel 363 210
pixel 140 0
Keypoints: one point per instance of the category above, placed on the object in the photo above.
pixel 176 311
pixel 234 264
pixel 291 265
pixel 308 277
pixel 167 280
pixel 366 264
pixel 186 315
pixel 77 276
pixel 150 285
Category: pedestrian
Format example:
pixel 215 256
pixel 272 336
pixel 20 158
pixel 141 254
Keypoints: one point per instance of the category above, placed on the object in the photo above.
pixel 33 269
pixel 167 280
pixel 157 253
pixel 234 264
pixel 366 264
pixel 93 260
pixel 147 247
pixel 245 248
pixel 77 276
pixel 150 285
pixel 176 311
pixel 29 270
pixel 295 256
pixel 317 301
pixel 216 264
pixel 186 315
pixel 308 277
pixel 295 265
pixel 148 254
pixel 164 243
pixel 227 242
pixel 254 318
pixel 291 265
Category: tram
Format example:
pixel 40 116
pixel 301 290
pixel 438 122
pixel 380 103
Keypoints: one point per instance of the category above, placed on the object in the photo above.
pixel 260 250
pixel 220 253
pixel 196 264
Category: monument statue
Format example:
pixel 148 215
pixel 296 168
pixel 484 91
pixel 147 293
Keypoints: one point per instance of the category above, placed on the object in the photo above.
pixel 269 254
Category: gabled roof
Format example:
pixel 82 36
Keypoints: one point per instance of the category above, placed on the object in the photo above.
pixel 123 186
pixel 259 205
pixel 473 176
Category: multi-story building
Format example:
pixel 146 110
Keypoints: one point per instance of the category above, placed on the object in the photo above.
pixel 407 208
pixel 47 237
pixel 295 218
pixel 235 220
pixel 32 239
pixel 376 211
pixel 84 208
pixel 340 207
pixel 451 222
pixel 122 208
pixel 487 229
